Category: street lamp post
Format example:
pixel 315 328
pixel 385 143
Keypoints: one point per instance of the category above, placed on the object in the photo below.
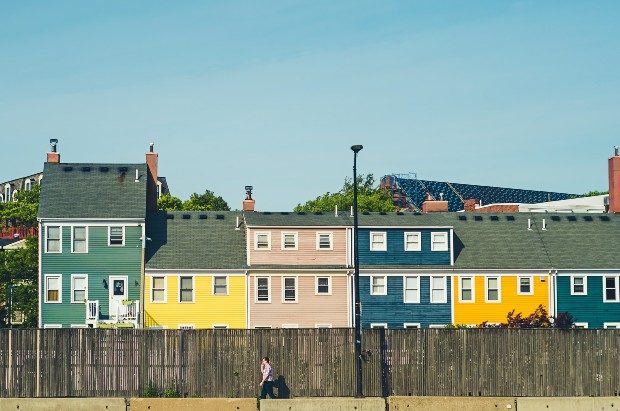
pixel 356 276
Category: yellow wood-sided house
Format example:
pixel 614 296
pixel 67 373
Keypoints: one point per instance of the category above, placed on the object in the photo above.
pixel 195 273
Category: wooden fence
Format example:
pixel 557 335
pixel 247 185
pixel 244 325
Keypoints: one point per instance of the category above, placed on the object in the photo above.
pixel 309 362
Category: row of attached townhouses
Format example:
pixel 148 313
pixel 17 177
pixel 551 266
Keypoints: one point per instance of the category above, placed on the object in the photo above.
pixel 108 258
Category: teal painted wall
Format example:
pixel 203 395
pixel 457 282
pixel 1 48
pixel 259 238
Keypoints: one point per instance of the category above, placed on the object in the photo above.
pixel 588 308
pixel 99 263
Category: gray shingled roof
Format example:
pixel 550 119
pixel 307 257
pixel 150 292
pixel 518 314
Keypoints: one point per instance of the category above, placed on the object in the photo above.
pixel 284 218
pixel 84 190
pixel 195 243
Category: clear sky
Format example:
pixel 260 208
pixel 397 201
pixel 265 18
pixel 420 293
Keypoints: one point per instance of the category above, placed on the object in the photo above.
pixel 522 94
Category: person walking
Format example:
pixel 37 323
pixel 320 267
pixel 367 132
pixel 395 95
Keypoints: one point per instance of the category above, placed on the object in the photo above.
pixel 267 381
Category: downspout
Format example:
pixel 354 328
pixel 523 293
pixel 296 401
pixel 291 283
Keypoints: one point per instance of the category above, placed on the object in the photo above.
pixel 143 277
pixel 40 276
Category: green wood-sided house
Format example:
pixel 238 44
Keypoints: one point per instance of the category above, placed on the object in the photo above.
pixel 91 250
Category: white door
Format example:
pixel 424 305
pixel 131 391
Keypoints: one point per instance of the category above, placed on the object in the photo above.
pixel 118 293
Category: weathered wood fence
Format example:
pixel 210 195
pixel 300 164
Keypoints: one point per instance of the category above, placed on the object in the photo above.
pixel 309 362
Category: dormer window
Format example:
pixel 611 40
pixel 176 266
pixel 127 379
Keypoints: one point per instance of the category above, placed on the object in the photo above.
pixel 116 235
pixel 439 241
pixel 378 241
pixel 28 184
pixel 289 241
pixel 324 241
pixel 413 241
pixel 262 241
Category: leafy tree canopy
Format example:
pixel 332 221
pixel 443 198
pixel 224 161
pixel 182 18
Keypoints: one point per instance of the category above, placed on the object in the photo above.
pixel 197 202
pixel 369 198
pixel 22 212
pixel 19 268
pixel 169 202
pixel 595 193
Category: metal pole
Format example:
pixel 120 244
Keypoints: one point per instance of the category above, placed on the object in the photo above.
pixel 10 305
pixel 356 276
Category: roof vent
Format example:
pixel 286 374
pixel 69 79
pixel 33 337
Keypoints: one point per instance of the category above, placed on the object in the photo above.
pixel 494 218
pixel 588 218
pixel 170 216
pixel 604 218
pixel 463 217
pixel 123 169
pixel 67 168
pixel 86 169
pixel 571 218
pixel 510 218
pixel 186 216
pixel 219 217
pixel 478 217
pixel 318 213
pixel 555 218
pixel 202 216
pixel 104 169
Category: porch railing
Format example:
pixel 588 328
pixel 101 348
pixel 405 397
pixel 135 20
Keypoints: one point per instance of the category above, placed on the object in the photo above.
pixel 92 312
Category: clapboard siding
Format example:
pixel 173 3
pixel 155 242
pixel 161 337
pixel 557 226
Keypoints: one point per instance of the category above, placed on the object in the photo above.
pixel 588 308
pixel 392 309
pixel 306 254
pixel 396 254
pixel 308 311
pixel 99 263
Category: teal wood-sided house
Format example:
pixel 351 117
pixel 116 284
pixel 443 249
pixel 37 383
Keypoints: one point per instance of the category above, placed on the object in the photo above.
pixel 92 224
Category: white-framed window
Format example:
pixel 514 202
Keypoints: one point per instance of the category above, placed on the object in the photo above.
pixel 262 240
pixel 53 288
pixel 322 326
pixel 289 241
pixel 79 326
pixel 323 285
pixel 439 290
pixel 525 285
pixel 467 290
pixel 79 288
pixel 220 326
pixel 413 241
pixel 28 184
pixel 116 235
pixel 439 241
pixel 262 327
pixel 52 325
pixel 578 285
pixel 289 289
pixel 186 289
pixel 610 289
pixel 324 241
pixel 290 325
pixel 378 241
pixel 187 327
pixel 79 239
pixel 220 285
pixel 378 285
pixel 411 289
pixel 413 326
pixel 581 325
pixel 7 193
pixel 379 325
pixel 263 289
pixel 493 290
pixel 53 239
pixel 437 326
pixel 158 289
pixel 611 326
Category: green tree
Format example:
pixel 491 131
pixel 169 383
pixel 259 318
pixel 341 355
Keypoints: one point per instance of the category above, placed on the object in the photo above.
pixel 595 193
pixel 169 202
pixel 23 212
pixel 205 202
pixel 370 198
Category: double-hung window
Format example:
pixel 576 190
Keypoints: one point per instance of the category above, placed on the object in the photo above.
pixel 439 241
pixel 579 285
pixel 158 290
pixel 53 288
pixel 289 241
pixel 186 289
pixel 220 285
pixel 79 288
pixel 262 241
pixel 324 241
pixel 378 285
pixel 289 289
pixel 378 241
pixel 116 235
pixel 525 285
pixel 53 243
pixel 610 289
pixel 411 287
pixel 413 241
pixel 493 290
pixel 79 237
pixel 263 289
pixel 323 286
pixel 439 290
pixel 466 287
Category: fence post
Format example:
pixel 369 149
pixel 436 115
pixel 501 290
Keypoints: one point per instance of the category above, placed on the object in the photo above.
pixel 38 352
pixel 385 366
pixel 10 379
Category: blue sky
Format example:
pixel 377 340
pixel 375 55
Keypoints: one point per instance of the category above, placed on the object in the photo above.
pixel 522 94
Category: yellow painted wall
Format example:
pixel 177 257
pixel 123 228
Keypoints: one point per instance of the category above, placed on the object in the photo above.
pixel 206 310
pixel 479 311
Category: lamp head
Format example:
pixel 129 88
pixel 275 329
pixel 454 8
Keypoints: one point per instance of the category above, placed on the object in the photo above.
pixel 357 148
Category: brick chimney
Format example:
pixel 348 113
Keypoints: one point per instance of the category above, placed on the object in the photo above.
pixel 151 179
pixel 614 182
pixel 249 202
pixel 53 156
pixel 434 206
pixel 470 204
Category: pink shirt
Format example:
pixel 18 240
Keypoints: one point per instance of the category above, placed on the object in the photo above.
pixel 267 373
